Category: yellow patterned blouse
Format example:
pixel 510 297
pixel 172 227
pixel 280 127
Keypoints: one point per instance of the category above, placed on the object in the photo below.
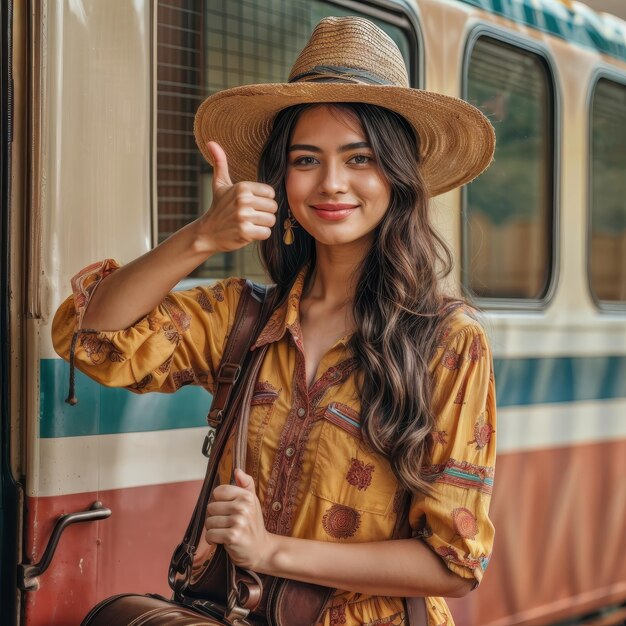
pixel 315 478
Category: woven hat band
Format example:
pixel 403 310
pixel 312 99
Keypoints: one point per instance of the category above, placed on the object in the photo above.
pixel 339 74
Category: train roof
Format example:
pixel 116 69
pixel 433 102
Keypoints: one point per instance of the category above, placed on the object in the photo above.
pixel 572 21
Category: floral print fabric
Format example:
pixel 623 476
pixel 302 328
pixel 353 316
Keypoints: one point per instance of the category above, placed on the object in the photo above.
pixel 315 476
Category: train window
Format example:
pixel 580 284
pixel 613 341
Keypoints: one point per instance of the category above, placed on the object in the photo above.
pixel 508 224
pixel 206 46
pixel 607 245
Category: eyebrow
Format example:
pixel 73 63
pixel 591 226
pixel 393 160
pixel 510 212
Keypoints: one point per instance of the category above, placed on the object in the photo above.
pixel 310 148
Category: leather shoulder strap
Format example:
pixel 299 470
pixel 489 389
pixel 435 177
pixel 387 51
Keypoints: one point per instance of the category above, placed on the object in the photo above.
pixel 252 311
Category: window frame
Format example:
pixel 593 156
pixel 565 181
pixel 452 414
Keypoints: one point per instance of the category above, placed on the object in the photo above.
pixel 396 12
pixel 400 14
pixel 513 39
pixel 609 73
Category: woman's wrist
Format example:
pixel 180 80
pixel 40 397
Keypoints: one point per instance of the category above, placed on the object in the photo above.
pixel 202 243
pixel 269 560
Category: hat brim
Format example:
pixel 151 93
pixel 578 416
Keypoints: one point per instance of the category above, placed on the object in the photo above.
pixel 457 141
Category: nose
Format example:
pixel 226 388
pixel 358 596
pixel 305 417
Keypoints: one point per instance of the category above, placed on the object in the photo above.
pixel 333 178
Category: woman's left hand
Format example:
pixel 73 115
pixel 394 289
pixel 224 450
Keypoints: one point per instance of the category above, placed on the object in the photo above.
pixel 235 519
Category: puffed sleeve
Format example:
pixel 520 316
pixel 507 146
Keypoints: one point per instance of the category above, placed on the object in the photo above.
pixel 178 343
pixel 454 519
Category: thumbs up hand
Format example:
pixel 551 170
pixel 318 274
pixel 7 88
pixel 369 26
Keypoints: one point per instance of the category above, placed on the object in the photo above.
pixel 240 213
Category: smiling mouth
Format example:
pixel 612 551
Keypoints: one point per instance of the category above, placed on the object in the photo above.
pixel 328 206
pixel 333 211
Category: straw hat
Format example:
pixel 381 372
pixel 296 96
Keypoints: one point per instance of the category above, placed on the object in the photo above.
pixel 349 59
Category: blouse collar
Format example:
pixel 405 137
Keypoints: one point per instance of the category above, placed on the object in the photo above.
pixel 286 317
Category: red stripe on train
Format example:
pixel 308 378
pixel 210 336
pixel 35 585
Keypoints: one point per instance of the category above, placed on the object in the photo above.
pixel 560 518
pixel 130 551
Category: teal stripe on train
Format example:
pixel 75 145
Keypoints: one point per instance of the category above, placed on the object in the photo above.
pixel 102 410
pixel 580 25
pixel 520 382
pixel 105 410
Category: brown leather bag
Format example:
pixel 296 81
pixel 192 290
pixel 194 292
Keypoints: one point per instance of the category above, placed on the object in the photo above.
pixel 210 589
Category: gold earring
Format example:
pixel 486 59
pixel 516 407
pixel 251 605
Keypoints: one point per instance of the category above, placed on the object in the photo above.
pixel 289 224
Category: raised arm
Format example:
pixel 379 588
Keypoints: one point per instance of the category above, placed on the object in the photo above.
pixel 239 214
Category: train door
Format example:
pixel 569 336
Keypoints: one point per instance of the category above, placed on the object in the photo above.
pixel 89 130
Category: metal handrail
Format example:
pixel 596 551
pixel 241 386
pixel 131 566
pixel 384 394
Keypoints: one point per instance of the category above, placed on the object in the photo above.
pixel 27 573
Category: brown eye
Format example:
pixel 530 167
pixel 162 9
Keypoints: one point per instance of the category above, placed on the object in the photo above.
pixel 305 160
pixel 361 159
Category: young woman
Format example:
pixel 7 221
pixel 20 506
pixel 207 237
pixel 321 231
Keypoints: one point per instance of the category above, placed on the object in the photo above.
pixel 376 389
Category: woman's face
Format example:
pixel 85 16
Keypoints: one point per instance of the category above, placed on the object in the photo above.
pixel 335 188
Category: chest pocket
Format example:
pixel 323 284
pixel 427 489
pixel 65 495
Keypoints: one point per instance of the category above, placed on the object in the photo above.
pixel 346 471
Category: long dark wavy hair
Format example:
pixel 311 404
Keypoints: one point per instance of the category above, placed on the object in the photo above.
pixel 398 305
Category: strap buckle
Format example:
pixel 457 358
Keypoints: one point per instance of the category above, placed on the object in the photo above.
pixel 209 440
pixel 179 571
pixel 235 615
pixel 215 417
pixel 228 373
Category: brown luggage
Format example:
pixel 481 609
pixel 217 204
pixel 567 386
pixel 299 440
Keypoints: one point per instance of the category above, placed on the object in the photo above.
pixel 138 610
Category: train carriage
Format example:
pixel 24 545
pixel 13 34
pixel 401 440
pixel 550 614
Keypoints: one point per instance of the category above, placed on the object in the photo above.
pixel 97 110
